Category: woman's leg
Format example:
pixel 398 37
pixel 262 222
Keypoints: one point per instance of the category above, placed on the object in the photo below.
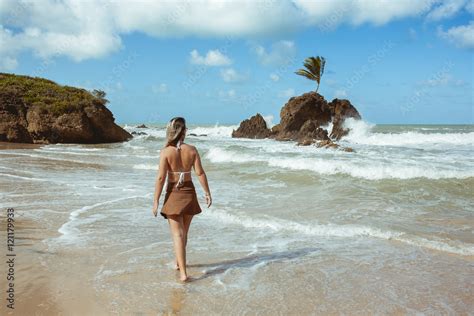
pixel 186 223
pixel 177 233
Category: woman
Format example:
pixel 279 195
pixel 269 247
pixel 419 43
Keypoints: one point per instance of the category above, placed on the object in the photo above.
pixel 180 204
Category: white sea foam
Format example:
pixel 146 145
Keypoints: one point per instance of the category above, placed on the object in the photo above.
pixel 144 166
pixel 355 167
pixel 22 178
pixel 69 147
pixel 216 154
pixel 216 131
pixel 361 132
pixel 369 170
pixel 50 158
pixel 69 231
pixel 66 151
pixel 268 120
pixel 333 230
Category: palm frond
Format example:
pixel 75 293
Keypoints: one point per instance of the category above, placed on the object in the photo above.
pixel 314 69
pixel 312 64
pixel 323 63
pixel 305 73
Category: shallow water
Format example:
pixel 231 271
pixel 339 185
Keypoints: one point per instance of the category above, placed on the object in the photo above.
pixel 293 230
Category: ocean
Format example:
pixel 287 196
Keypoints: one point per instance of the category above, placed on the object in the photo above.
pixel 293 230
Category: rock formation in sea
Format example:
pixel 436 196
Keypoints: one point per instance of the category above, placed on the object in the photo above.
pixel 303 119
pixel 37 110
pixel 254 127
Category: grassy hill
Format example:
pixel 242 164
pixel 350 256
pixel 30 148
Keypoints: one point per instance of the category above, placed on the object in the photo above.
pixel 47 95
pixel 38 110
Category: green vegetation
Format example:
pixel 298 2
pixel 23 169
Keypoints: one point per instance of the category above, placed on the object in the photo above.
pixel 47 95
pixel 314 69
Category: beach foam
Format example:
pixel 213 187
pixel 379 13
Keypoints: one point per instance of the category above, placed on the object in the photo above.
pixel 69 230
pixel 216 131
pixel 333 230
pixel 356 167
pixel 362 133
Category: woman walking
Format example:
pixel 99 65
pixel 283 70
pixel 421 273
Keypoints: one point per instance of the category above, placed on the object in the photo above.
pixel 180 204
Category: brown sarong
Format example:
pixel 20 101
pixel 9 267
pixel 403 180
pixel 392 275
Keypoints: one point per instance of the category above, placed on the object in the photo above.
pixel 182 200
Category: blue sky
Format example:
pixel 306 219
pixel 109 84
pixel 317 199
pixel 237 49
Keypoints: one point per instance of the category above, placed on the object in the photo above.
pixel 396 61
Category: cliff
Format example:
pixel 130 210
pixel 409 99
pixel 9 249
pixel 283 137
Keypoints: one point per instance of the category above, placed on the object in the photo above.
pixel 37 110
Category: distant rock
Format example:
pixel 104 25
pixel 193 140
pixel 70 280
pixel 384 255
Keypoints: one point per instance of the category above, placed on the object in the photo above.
pixel 341 110
pixel 142 126
pixel 310 132
pixel 294 114
pixel 139 133
pixel 330 144
pixel 255 127
pixel 303 119
pixel 326 144
pixel 36 110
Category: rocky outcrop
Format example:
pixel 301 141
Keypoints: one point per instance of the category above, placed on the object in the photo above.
pixel 138 133
pixel 310 132
pixel 142 126
pixel 330 144
pixel 340 110
pixel 35 110
pixel 303 119
pixel 297 111
pixel 255 127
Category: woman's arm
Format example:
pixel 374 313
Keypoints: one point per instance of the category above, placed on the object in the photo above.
pixel 202 178
pixel 160 181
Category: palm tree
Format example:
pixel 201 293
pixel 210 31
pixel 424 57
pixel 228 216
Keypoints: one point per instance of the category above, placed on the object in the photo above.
pixel 315 69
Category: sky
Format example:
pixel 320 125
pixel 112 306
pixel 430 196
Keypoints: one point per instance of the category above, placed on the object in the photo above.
pixel 219 62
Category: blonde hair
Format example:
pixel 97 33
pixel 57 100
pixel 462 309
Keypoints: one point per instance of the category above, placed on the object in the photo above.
pixel 175 130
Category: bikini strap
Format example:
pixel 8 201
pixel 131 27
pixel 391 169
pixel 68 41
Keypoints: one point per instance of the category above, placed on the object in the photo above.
pixel 181 173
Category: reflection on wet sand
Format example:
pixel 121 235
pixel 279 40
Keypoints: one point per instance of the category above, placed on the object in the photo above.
pixel 250 261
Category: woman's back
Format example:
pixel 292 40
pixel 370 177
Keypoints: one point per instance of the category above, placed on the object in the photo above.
pixel 181 160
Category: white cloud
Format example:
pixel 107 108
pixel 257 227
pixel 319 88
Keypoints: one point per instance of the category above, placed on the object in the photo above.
pixel 470 6
pixel 8 64
pixel 231 75
pixel 442 79
pixel 229 94
pixel 212 58
pixel 274 77
pixel 93 29
pixel 288 93
pixel 446 9
pixel 340 93
pixel 281 53
pixel 328 14
pixel 461 36
pixel 161 88
pixel 47 34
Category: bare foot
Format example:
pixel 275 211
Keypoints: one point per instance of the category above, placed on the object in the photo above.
pixel 183 277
